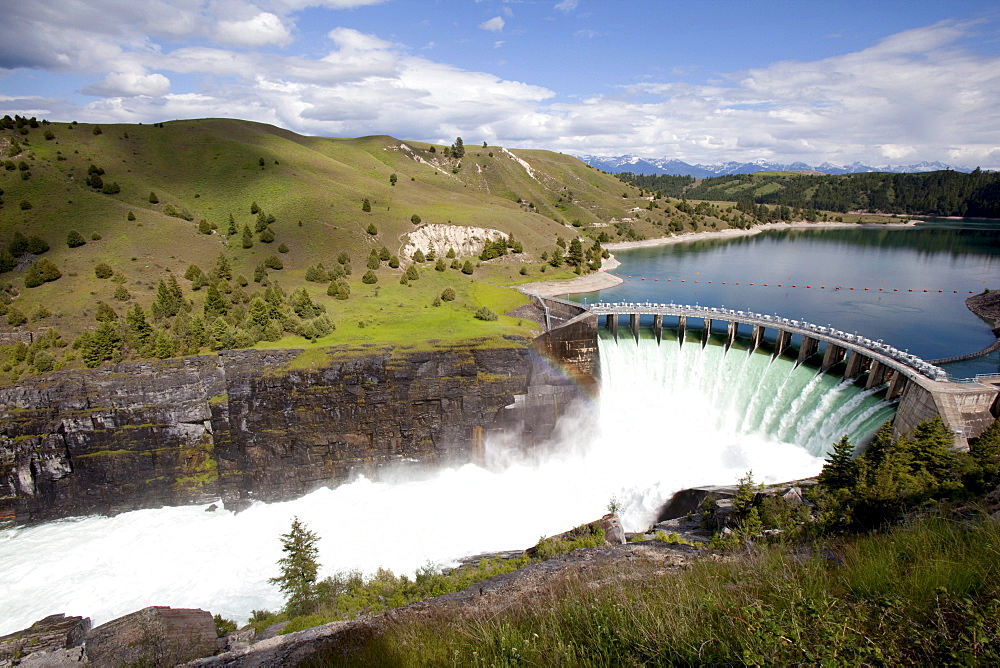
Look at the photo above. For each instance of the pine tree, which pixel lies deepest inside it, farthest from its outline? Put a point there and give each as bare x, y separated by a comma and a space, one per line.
139, 330
299, 568
840, 470
215, 305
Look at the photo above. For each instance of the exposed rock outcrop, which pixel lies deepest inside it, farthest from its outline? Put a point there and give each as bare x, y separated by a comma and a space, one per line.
269, 424
45, 642
154, 636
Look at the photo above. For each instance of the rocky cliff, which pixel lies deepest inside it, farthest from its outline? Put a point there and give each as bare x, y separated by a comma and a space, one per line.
260, 424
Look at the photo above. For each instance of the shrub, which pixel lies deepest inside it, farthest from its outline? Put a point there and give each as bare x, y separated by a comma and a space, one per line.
103, 270
25, 205
372, 230
467, 268
272, 262
366, 206
74, 239
418, 256
267, 236
153, 199
130, 216
283, 248
42, 271
36, 245
415, 219
448, 295
369, 278
485, 313
122, 294
95, 236
15, 318
440, 265
204, 227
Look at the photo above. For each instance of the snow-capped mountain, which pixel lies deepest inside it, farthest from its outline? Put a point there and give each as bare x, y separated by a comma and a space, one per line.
637, 165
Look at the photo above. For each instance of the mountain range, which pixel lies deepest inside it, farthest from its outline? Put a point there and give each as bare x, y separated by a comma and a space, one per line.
637, 165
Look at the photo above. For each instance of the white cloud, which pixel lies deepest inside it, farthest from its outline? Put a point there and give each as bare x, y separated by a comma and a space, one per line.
495, 24
919, 94
129, 84
567, 5
264, 29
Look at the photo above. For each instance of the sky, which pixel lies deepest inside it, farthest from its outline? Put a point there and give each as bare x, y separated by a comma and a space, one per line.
876, 81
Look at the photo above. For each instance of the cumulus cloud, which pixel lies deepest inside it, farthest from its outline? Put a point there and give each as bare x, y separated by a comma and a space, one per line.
567, 5
919, 94
129, 84
495, 24
264, 29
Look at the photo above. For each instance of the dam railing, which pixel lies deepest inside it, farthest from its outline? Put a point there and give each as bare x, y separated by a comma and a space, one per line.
862, 347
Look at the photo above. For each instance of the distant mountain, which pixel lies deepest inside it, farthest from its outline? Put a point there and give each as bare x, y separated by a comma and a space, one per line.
637, 165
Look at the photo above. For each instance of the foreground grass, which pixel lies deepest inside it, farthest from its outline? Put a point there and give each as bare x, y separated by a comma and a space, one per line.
927, 593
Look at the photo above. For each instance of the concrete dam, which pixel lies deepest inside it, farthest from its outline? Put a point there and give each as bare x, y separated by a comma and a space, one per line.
922, 389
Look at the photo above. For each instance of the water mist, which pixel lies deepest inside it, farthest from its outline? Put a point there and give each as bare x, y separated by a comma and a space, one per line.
668, 418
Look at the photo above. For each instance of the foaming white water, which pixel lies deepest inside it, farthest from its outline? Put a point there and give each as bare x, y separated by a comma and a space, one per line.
668, 418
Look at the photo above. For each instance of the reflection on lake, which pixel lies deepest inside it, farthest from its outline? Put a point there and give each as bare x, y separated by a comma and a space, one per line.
905, 285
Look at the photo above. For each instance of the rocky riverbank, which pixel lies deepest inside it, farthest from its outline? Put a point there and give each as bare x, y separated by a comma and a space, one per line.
987, 306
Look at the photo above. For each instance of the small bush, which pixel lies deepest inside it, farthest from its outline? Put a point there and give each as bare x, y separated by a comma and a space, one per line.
103, 270
485, 313
74, 239
369, 278
272, 262
448, 294
95, 236
25, 205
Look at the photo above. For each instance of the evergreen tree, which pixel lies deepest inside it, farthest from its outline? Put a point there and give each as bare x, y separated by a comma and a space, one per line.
575, 257
139, 331
458, 148
299, 568
74, 239
366, 206
467, 268
840, 470
215, 305
223, 270
247, 237
231, 227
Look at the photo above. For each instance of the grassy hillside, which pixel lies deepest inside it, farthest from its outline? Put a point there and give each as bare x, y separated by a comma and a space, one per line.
313, 190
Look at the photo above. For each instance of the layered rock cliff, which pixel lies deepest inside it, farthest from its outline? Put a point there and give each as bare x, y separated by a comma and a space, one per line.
262, 424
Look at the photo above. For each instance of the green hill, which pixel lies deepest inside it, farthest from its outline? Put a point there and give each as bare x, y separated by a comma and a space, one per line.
150, 201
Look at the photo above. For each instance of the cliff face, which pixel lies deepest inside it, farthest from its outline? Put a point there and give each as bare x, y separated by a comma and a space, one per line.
249, 425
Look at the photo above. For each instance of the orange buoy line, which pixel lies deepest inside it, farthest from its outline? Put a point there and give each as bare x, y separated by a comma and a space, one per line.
821, 287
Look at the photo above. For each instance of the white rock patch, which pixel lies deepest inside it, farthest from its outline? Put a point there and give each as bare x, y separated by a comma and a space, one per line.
467, 241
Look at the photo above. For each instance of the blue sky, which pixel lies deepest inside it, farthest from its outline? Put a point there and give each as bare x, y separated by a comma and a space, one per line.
882, 82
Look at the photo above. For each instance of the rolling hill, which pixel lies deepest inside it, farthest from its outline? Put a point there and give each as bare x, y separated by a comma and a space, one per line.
151, 201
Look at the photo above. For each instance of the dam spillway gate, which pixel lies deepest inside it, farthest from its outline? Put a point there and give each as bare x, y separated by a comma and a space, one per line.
923, 389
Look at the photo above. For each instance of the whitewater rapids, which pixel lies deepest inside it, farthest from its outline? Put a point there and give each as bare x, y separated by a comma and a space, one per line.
668, 418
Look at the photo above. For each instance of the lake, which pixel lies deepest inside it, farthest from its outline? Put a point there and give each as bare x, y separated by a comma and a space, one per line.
906, 285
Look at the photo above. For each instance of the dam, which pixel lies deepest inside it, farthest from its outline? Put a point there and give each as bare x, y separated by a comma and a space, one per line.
923, 389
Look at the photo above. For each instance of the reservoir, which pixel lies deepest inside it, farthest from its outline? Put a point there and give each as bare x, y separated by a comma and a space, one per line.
906, 285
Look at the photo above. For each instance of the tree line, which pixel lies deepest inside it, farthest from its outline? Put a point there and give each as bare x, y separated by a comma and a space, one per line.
941, 193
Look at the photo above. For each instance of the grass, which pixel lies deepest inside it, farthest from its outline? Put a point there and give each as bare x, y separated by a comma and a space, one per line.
923, 594
314, 187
